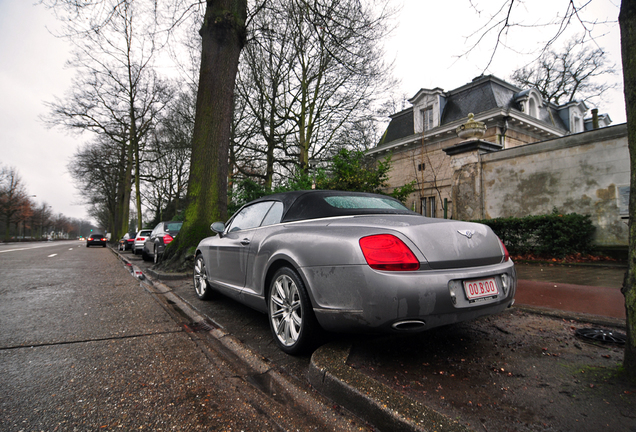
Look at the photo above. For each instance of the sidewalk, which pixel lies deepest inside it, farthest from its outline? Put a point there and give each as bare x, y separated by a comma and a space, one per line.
580, 289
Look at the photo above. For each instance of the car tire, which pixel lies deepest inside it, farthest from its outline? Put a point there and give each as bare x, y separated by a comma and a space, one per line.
155, 256
201, 286
144, 255
291, 318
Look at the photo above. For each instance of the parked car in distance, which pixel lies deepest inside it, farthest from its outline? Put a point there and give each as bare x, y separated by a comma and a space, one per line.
159, 238
352, 262
126, 242
96, 240
140, 238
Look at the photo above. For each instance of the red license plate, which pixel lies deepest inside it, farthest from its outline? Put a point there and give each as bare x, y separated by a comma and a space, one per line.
481, 288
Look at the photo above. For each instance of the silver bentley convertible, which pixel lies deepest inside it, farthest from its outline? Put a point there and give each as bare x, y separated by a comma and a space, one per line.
350, 262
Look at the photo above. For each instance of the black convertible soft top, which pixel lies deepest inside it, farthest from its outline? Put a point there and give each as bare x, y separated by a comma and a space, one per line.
314, 204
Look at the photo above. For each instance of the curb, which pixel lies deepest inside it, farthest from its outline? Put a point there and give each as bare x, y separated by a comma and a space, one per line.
167, 276
382, 406
575, 316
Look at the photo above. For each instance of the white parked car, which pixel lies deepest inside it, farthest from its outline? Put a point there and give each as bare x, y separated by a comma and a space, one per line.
140, 238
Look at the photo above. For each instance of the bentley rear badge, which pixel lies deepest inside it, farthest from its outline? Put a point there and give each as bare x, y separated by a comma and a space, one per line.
466, 233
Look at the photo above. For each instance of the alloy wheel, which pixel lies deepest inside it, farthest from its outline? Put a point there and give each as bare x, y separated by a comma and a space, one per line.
285, 310
200, 278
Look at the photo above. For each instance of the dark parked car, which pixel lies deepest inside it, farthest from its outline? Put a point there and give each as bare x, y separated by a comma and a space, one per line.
96, 240
126, 242
161, 236
140, 239
344, 261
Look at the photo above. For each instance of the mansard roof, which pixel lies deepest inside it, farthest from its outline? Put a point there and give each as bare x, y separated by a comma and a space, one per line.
401, 125
483, 94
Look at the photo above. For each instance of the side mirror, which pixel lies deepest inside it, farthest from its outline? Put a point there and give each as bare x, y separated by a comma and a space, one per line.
218, 227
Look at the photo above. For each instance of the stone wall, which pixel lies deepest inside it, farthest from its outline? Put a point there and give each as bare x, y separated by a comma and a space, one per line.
583, 173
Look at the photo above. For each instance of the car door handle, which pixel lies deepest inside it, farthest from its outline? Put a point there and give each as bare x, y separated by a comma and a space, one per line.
245, 241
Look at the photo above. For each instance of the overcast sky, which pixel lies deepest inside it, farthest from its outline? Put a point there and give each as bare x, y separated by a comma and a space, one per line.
430, 34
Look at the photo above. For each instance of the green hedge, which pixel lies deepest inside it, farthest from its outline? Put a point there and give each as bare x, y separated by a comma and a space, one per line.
554, 235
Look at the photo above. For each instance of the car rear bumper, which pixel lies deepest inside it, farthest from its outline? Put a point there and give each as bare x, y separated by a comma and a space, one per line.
358, 298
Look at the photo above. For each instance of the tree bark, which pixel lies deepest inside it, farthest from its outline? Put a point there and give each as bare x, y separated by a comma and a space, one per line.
223, 37
627, 22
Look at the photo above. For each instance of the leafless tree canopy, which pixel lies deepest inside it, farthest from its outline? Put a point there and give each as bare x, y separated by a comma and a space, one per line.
117, 94
506, 16
309, 83
577, 72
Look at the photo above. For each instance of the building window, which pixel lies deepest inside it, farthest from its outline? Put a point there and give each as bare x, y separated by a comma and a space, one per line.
532, 108
421, 166
427, 118
577, 124
428, 206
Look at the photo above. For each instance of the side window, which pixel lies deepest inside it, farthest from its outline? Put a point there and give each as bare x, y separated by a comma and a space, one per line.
274, 215
250, 217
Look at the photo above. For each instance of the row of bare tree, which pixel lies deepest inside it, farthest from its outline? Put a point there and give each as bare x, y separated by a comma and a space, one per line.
22, 218
310, 80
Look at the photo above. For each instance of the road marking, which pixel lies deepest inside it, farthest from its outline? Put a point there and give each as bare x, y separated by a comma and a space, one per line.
13, 250
52, 255
32, 247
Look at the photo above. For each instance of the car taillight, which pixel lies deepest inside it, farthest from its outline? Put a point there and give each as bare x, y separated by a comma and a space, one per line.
387, 252
104, 239
141, 238
505, 251
167, 239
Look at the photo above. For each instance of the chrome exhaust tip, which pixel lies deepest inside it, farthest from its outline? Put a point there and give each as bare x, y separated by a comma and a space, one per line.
410, 325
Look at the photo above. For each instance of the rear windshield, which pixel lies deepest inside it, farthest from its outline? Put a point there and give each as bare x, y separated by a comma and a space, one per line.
95, 236
173, 226
321, 204
363, 202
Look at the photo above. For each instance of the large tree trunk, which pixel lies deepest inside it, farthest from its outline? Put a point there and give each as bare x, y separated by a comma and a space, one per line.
123, 193
223, 37
627, 21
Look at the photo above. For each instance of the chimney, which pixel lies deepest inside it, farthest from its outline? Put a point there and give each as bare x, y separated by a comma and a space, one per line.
595, 118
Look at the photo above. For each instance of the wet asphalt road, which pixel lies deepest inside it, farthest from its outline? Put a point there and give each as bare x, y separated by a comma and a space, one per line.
85, 346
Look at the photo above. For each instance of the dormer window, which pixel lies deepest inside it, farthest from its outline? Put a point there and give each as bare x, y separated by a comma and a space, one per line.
530, 102
428, 106
572, 114
427, 118
533, 110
